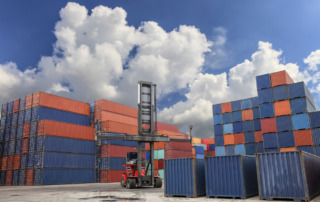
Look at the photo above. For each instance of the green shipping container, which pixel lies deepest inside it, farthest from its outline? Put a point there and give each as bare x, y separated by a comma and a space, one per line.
161, 173
160, 154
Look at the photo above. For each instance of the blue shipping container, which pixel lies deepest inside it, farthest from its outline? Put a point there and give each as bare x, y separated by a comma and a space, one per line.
33, 129
270, 140
21, 118
236, 176
237, 116
288, 175
217, 119
236, 105
249, 137
257, 124
300, 121
63, 176
3, 122
250, 148
19, 132
220, 151
256, 113
309, 149
227, 117
255, 102
2, 177
10, 107
15, 179
259, 147
240, 149
266, 110
211, 147
30, 163
112, 163
22, 103
216, 109
263, 81
12, 146
2, 133
4, 110
22, 177
32, 144
218, 129
246, 104
317, 150
199, 156
219, 140
301, 105
185, 177
265, 95
13, 133
8, 121
14, 119
316, 136
238, 127
199, 149
121, 142
280, 93
315, 119
271, 150
300, 90
227, 128
286, 139
230, 150
64, 160
27, 116
284, 123
18, 147
248, 126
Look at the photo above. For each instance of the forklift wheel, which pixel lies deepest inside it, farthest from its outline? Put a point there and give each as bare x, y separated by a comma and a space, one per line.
157, 182
131, 183
122, 183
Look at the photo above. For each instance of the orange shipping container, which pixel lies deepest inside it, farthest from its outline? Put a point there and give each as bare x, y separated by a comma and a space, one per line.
110, 116
303, 137
156, 164
29, 177
282, 108
105, 105
156, 146
60, 129
115, 127
16, 105
288, 149
210, 140
4, 163
28, 102
258, 136
16, 162
61, 103
161, 145
239, 138
229, 139
280, 78
247, 115
226, 107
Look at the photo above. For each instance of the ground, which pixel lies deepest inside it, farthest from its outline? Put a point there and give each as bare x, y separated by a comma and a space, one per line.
94, 192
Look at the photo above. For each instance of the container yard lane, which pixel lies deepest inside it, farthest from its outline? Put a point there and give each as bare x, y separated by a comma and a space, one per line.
95, 192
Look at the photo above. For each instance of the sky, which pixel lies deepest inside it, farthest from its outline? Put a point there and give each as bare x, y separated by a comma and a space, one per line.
198, 53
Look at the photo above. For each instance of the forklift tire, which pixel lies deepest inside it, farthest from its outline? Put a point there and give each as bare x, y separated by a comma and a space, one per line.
131, 183
122, 183
157, 182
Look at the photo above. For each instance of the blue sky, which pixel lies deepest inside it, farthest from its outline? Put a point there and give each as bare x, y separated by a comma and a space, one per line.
236, 28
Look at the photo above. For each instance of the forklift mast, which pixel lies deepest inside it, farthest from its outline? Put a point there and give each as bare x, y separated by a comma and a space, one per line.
147, 126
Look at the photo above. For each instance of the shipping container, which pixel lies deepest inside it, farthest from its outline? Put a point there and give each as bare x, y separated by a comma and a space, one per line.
61, 103
270, 140
316, 136
4, 109
27, 116
220, 151
299, 89
288, 175
280, 78
13, 133
266, 110
16, 162
230, 150
288, 149
259, 147
218, 129
28, 102
280, 93
227, 117
284, 123
18, 147
53, 128
257, 124
255, 102
2, 177
3, 122
286, 139
249, 137
110, 176
30, 162
112, 126
265, 95
63, 160
211, 147
300, 121
256, 113
263, 81
116, 151
231, 176
240, 149
172, 154
185, 177
237, 127
216, 109
22, 103
24, 145
227, 128
14, 119
23, 161
247, 115
246, 104
9, 175
26, 130
8, 121
217, 119
219, 140
239, 138
250, 148
282, 108
226, 107
10, 107
301, 105
314, 119
32, 145
184, 146
303, 137
229, 139
42, 113
165, 126
21, 118
248, 126
309, 149
236, 105
22, 177
268, 125
63, 176
258, 136
105, 105
198, 149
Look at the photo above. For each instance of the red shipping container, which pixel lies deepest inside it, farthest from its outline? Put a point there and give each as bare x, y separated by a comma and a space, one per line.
156, 146
168, 127
29, 177
258, 136
161, 145
173, 135
60, 103
28, 103
247, 115
116, 151
161, 164
226, 107
60, 129
156, 165
105, 105
4, 163
303, 137
212, 153
111, 175
204, 141
147, 146
25, 145
8, 180
184, 146
10, 163
172, 154
110, 116
239, 138
15, 105
280, 78
116, 127
268, 125
16, 162
26, 130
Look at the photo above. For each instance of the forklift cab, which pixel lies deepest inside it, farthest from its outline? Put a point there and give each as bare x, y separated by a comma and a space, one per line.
132, 158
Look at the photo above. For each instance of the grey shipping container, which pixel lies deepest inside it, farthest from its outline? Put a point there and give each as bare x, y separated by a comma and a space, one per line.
184, 177
288, 175
231, 176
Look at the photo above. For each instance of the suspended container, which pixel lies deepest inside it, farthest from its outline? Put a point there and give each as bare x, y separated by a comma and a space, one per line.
185, 177
288, 175
231, 176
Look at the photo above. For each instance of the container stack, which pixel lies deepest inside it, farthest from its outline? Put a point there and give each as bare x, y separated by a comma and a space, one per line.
48, 141
237, 127
209, 142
